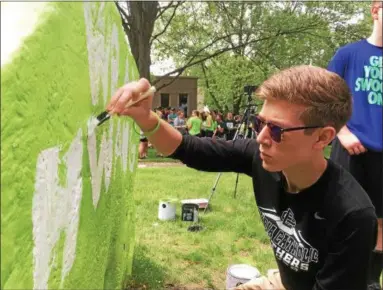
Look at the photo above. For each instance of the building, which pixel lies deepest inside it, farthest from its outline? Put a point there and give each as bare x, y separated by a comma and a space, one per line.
180, 94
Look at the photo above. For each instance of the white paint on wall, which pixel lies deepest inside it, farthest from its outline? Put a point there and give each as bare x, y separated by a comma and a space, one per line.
118, 147
122, 144
98, 50
127, 70
133, 150
105, 41
102, 163
18, 21
115, 60
56, 209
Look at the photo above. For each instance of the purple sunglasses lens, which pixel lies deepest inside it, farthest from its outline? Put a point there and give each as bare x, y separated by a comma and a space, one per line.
275, 130
276, 133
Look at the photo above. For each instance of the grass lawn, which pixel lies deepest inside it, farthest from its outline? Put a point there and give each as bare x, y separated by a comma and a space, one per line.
152, 157
169, 256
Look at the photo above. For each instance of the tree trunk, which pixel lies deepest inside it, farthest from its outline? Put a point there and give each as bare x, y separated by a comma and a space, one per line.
140, 18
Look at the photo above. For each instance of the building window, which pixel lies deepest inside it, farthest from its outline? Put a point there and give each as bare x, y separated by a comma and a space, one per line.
183, 103
164, 100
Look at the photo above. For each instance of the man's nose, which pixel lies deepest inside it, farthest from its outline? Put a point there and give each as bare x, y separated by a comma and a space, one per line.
264, 137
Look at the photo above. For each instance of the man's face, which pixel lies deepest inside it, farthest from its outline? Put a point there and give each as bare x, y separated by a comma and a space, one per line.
295, 146
376, 12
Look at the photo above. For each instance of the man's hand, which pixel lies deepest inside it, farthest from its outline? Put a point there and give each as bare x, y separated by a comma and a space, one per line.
140, 112
350, 142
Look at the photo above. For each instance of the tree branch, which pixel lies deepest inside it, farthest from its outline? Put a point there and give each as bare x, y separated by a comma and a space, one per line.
124, 17
208, 87
163, 9
154, 37
219, 52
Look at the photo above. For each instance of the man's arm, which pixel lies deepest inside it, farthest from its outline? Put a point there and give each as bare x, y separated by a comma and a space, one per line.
217, 155
349, 252
349, 141
199, 154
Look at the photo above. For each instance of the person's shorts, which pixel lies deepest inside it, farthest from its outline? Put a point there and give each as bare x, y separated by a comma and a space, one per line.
144, 139
367, 169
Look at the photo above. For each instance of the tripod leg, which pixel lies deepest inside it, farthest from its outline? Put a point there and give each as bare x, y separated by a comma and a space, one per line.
236, 185
213, 191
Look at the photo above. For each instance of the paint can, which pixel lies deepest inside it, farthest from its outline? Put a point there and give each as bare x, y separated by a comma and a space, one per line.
189, 212
240, 274
167, 210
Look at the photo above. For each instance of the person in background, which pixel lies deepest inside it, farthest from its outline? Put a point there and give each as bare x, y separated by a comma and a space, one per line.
194, 124
165, 113
359, 144
208, 125
179, 122
231, 126
219, 132
184, 108
203, 116
321, 224
143, 146
159, 112
172, 116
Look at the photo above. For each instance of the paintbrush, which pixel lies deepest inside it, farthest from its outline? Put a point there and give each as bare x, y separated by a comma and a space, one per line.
104, 116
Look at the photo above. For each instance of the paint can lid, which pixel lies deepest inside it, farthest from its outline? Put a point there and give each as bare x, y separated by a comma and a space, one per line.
244, 271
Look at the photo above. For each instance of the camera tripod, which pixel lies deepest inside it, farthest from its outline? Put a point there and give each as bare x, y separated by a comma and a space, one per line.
243, 131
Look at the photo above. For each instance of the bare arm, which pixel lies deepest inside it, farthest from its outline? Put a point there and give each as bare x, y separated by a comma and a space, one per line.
202, 154
350, 142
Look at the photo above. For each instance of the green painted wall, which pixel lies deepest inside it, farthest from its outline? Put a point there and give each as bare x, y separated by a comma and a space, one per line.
67, 213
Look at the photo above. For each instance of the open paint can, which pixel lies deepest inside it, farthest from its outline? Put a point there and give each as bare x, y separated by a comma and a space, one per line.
240, 274
167, 209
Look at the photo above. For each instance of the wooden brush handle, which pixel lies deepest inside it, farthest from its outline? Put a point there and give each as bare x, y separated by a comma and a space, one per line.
143, 96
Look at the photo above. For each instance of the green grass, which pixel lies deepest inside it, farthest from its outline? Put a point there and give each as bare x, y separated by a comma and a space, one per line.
167, 255
152, 157
327, 151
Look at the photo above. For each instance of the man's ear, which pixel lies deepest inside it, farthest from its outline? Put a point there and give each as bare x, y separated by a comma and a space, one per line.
374, 12
324, 137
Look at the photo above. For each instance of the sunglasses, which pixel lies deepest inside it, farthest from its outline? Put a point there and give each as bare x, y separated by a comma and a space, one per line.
276, 132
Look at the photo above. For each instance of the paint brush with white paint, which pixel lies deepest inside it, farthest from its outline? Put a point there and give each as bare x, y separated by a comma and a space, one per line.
104, 116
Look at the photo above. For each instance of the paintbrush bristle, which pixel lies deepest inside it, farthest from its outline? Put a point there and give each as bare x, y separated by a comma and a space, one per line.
102, 116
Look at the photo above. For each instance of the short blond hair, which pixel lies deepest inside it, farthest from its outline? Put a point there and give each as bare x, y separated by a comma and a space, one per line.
325, 94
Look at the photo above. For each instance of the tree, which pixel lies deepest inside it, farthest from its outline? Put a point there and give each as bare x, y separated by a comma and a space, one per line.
204, 38
249, 41
138, 19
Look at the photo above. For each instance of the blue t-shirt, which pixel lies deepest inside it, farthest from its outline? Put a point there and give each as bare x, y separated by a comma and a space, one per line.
360, 65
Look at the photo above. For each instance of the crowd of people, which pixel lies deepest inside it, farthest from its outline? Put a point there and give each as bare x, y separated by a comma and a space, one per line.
201, 123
